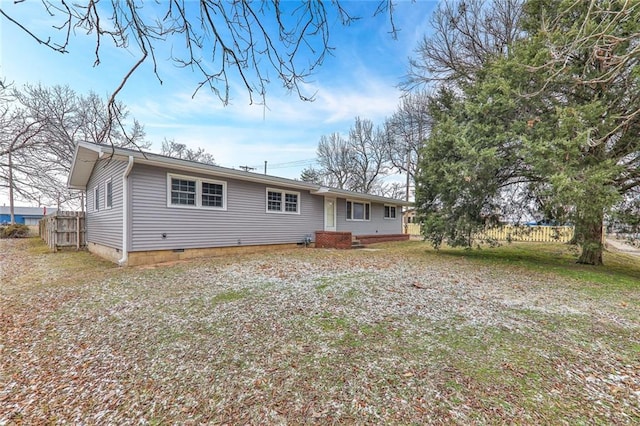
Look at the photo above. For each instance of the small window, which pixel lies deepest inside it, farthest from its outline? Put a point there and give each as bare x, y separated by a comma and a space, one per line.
274, 201
279, 201
183, 192
389, 212
358, 211
108, 194
212, 194
186, 191
96, 198
291, 203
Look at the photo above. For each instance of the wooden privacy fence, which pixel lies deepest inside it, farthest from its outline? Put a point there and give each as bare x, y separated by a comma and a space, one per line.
538, 234
412, 229
63, 229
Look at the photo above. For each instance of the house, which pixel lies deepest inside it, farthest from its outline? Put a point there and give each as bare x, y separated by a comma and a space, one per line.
409, 216
24, 215
148, 208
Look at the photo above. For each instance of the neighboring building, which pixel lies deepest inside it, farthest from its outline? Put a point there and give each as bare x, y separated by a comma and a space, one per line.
147, 208
24, 215
409, 216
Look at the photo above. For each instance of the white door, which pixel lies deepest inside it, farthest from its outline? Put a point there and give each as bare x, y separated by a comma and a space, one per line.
329, 214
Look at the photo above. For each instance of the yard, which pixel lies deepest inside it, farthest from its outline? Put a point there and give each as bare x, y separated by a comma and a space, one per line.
397, 335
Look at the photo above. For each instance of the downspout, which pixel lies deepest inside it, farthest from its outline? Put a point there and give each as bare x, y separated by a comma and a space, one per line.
125, 213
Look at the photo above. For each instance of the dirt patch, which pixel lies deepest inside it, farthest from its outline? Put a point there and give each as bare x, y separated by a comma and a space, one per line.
623, 247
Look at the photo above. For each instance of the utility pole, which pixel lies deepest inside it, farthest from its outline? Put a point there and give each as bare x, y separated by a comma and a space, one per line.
247, 168
408, 168
265, 167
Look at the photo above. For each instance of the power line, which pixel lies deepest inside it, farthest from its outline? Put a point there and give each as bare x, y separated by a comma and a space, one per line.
290, 164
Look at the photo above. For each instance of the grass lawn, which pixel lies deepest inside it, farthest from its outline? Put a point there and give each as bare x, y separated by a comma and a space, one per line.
398, 335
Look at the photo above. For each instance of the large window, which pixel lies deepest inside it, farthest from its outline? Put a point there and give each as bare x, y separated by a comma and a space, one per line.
389, 212
108, 194
279, 201
358, 211
185, 191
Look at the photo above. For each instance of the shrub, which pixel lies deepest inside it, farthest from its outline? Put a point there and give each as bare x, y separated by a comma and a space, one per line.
14, 231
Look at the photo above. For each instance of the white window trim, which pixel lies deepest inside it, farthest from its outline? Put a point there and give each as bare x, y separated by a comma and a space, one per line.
364, 203
96, 198
396, 212
283, 192
198, 181
106, 206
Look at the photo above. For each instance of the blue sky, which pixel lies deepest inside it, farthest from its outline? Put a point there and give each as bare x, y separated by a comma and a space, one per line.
360, 79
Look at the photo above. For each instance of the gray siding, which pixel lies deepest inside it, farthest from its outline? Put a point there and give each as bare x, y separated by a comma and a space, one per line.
245, 222
104, 226
376, 224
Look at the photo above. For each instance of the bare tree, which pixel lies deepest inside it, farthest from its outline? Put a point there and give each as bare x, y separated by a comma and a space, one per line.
218, 39
19, 133
406, 132
336, 160
465, 35
171, 148
369, 156
356, 163
37, 144
394, 190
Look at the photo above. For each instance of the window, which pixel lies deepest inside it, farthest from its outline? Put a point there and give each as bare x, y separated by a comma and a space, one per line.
291, 203
191, 192
389, 212
274, 201
108, 194
279, 201
212, 194
183, 192
96, 198
358, 211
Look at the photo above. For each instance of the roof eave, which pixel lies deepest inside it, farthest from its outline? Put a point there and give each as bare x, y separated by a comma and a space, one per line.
78, 179
81, 168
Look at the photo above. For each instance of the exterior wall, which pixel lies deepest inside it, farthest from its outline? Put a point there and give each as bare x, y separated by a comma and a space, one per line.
20, 219
104, 226
109, 253
159, 256
377, 224
244, 222
6, 218
29, 216
31, 221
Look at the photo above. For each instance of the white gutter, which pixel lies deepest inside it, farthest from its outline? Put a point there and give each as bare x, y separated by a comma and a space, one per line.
125, 213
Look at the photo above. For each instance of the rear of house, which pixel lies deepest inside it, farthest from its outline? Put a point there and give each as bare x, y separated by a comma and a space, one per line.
147, 208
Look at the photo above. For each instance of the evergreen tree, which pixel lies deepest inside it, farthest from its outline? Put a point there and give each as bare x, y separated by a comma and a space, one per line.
552, 125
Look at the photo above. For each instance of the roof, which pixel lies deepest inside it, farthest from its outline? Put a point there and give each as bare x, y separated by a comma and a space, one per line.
27, 211
87, 154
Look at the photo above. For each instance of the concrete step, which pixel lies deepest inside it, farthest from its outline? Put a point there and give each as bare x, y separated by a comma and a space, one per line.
355, 244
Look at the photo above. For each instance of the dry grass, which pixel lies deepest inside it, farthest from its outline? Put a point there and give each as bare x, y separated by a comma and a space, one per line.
397, 336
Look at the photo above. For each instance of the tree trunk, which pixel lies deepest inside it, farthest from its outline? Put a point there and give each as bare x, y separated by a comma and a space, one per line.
11, 206
590, 238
